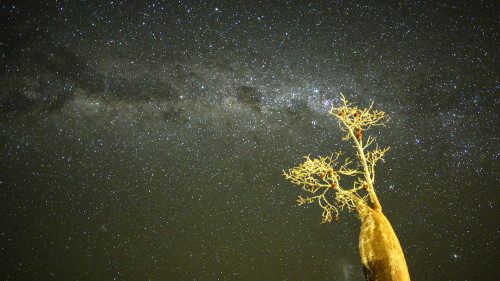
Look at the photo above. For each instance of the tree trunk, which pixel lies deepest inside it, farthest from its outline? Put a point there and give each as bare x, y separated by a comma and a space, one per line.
381, 254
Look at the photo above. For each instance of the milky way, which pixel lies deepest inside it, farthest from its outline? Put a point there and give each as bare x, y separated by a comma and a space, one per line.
147, 140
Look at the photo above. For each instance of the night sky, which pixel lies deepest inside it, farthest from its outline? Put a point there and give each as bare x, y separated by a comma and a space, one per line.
147, 140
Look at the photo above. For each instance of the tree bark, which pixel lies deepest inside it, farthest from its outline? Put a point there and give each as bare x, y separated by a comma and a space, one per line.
381, 255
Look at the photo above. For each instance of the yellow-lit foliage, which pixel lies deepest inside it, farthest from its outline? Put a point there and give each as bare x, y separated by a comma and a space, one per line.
321, 177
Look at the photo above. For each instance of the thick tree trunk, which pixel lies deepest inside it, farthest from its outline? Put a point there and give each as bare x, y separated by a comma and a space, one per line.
381, 254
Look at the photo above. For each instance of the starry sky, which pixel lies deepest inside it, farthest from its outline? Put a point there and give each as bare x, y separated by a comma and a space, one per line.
146, 140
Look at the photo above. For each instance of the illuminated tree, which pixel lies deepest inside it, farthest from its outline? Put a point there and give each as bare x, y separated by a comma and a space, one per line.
381, 255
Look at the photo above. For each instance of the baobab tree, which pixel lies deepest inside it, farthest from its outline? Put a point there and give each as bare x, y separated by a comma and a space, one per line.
381, 255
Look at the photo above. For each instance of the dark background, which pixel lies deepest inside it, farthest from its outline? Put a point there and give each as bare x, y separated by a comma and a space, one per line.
146, 140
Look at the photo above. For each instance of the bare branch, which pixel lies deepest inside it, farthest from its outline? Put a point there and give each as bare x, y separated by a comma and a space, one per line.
322, 175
